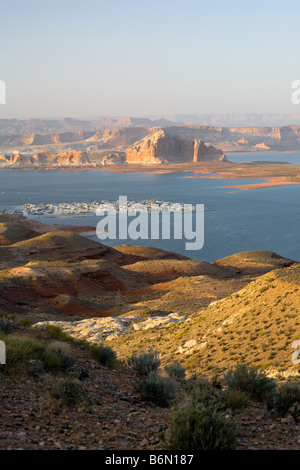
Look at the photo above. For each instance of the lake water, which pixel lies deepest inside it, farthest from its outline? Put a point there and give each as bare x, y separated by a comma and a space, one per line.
282, 157
262, 219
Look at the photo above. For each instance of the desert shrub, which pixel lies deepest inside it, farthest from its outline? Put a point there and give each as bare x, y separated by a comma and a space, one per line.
196, 427
144, 363
62, 350
236, 399
69, 393
157, 390
103, 354
5, 326
25, 322
205, 393
250, 380
35, 367
66, 360
175, 370
26, 354
216, 381
55, 332
8, 316
285, 399
56, 345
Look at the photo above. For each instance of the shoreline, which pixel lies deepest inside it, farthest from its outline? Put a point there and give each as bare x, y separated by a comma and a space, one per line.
272, 183
276, 175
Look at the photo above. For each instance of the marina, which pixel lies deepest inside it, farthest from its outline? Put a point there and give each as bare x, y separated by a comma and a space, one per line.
90, 208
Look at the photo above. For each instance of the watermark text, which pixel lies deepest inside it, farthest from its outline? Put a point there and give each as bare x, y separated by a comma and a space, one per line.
2, 353
135, 221
296, 93
2, 92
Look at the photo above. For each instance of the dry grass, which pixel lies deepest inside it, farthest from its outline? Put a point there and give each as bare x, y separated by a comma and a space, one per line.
255, 325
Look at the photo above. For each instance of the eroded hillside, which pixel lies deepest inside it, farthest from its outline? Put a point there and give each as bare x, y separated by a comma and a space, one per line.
208, 315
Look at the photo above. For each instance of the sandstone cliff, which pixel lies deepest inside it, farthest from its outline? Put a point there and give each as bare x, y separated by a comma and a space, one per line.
46, 159
165, 147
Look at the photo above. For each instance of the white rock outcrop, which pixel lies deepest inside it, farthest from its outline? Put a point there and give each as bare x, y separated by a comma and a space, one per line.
96, 330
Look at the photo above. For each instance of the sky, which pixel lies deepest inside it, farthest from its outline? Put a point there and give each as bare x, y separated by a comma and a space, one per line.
88, 58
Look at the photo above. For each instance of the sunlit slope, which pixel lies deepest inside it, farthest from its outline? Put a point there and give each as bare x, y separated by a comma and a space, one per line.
257, 325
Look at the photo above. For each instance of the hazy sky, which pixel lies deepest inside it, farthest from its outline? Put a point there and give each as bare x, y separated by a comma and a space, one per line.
82, 58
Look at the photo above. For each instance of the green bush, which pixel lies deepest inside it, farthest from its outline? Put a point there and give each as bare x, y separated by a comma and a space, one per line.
69, 393
24, 354
145, 363
236, 399
216, 381
206, 393
55, 332
103, 354
175, 370
157, 390
25, 322
67, 361
196, 427
250, 380
285, 399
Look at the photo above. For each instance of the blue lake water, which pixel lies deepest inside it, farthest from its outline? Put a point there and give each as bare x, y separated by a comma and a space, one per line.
282, 157
262, 219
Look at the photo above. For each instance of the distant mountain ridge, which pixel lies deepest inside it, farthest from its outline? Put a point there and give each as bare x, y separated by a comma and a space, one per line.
226, 139
29, 126
46, 125
241, 120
